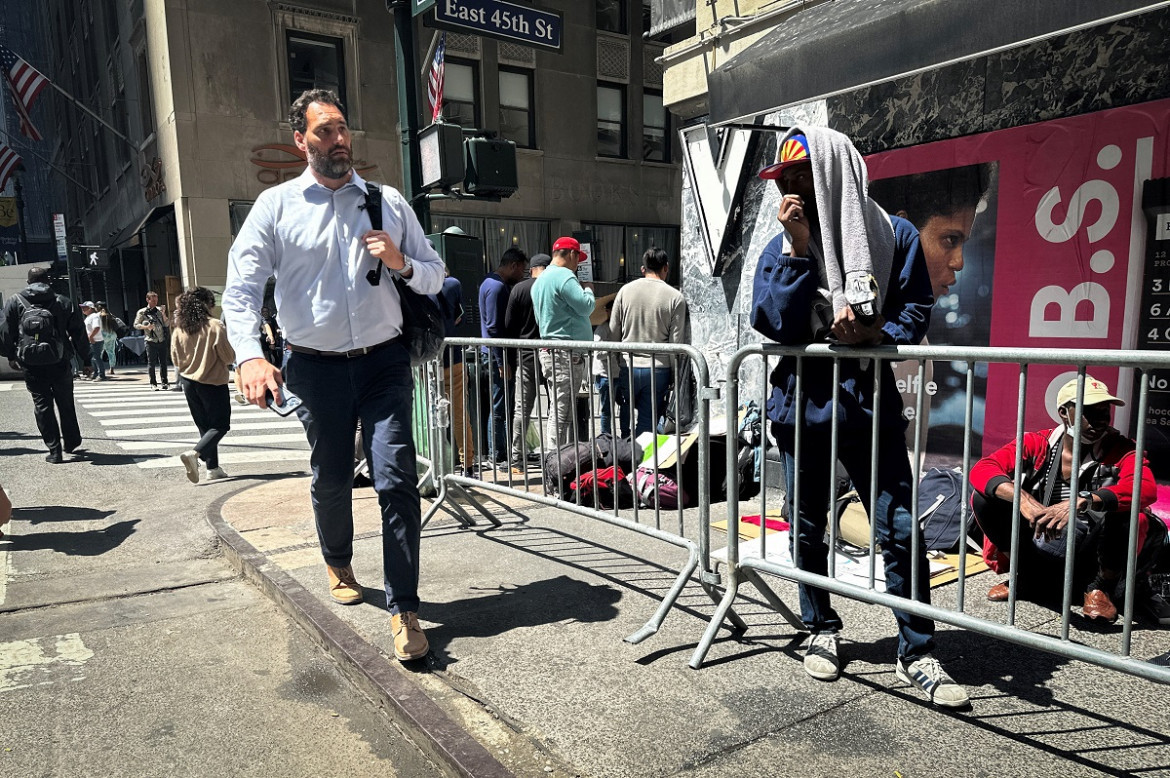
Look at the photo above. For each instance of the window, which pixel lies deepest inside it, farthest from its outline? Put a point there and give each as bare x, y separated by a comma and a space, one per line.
460, 88
314, 62
618, 249
611, 121
516, 115
611, 16
655, 142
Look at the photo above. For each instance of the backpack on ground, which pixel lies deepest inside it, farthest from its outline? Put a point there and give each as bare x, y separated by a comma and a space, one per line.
653, 486
607, 483
940, 511
39, 340
620, 451
561, 467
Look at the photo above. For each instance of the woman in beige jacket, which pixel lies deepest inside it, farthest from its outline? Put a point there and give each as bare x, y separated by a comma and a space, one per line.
202, 356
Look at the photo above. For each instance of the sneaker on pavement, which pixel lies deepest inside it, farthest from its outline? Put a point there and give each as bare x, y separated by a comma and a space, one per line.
343, 587
820, 657
410, 642
216, 473
190, 460
927, 674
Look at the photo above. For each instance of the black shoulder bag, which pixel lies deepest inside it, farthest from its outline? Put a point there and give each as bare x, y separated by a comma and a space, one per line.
422, 323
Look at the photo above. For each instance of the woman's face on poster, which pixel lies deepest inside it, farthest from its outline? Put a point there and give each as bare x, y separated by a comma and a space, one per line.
942, 239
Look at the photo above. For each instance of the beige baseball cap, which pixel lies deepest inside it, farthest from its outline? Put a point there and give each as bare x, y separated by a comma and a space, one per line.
1096, 392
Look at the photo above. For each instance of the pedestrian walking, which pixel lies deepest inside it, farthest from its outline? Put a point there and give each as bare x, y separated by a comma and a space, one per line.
203, 357
152, 320
93, 331
112, 327
313, 233
41, 333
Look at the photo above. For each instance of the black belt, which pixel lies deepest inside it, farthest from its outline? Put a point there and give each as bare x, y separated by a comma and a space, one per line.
357, 352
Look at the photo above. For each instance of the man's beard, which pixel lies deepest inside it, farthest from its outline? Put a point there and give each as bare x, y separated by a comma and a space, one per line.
328, 166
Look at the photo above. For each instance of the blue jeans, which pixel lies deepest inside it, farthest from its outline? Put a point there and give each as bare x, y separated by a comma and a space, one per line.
95, 353
651, 388
892, 518
497, 415
377, 388
619, 388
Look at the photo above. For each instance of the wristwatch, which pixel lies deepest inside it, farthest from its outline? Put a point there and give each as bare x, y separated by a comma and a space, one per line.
1088, 496
407, 266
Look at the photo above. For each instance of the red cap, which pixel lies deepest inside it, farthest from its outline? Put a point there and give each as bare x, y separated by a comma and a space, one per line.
569, 244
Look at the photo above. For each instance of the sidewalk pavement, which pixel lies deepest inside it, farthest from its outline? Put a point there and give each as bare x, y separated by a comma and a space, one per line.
529, 675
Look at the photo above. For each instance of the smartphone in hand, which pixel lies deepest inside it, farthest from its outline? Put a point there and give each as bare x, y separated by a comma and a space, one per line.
290, 402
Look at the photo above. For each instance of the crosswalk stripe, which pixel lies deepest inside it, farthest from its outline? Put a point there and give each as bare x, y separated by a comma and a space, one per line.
244, 457
240, 441
146, 412
181, 429
152, 419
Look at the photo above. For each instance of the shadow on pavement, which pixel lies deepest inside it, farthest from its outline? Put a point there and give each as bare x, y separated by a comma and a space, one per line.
85, 543
502, 609
45, 513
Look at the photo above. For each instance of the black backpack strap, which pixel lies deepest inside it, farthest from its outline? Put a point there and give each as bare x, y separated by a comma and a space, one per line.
374, 211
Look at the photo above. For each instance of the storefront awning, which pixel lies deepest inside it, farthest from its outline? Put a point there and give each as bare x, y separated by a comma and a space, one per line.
128, 235
842, 45
668, 14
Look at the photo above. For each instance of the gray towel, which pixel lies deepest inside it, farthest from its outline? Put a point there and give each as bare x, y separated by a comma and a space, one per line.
856, 233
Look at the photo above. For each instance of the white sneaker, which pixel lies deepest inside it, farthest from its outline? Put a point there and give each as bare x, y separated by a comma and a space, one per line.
190, 460
927, 674
820, 657
216, 473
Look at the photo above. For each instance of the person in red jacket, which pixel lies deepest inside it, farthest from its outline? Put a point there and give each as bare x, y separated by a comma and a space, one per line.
1102, 506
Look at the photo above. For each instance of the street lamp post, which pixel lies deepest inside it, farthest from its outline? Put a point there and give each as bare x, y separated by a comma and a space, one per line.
408, 108
19, 186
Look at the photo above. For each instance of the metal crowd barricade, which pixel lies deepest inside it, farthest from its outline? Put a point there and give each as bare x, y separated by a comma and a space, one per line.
748, 568
459, 475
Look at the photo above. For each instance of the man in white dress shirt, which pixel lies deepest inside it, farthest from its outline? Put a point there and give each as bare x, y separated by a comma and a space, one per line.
314, 235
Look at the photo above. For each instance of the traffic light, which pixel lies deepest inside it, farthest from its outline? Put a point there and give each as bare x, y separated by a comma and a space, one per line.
486, 167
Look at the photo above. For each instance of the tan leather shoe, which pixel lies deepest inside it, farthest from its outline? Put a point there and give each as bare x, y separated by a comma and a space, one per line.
343, 587
409, 640
999, 592
1099, 606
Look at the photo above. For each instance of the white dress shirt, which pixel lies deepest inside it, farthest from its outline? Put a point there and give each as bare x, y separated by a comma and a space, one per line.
309, 237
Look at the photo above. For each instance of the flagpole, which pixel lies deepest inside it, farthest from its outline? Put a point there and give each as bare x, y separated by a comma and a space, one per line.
96, 118
25, 149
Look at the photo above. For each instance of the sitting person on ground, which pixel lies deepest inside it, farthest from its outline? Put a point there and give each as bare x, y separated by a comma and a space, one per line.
1101, 520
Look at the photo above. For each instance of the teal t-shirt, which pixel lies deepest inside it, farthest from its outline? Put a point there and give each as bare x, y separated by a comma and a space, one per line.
562, 305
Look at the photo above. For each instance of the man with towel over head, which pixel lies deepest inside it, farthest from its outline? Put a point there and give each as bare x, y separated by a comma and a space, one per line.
845, 272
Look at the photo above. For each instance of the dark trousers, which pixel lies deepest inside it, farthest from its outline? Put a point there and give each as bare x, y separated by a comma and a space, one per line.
156, 354
49, 385
891, 516
95, 353
1102, 544
493, 405
211, 409
378, 389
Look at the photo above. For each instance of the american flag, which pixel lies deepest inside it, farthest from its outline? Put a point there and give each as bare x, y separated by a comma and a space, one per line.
25, 83
435, 82
9, 159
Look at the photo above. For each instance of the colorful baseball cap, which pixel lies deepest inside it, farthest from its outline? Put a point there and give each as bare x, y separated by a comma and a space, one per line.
569, 244
87, 304
793, 149
1096, 392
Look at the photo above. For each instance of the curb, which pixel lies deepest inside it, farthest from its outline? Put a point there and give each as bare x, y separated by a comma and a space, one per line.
427, 725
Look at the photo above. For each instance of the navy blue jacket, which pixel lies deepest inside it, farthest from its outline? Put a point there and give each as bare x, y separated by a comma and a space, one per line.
493, 301
782, 294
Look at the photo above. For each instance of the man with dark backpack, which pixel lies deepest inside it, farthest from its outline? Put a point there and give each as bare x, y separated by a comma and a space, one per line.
41, 332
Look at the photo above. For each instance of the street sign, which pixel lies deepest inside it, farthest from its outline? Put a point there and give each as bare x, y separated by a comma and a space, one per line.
420, 6
503, 20
59, 234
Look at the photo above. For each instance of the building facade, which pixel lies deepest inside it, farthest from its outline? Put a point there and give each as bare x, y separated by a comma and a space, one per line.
1062, 109
201, 91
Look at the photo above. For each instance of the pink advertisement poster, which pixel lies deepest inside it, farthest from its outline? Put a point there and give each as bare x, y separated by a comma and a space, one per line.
1052, 255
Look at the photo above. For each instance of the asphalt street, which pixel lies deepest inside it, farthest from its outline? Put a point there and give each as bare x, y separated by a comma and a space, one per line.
127, 645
